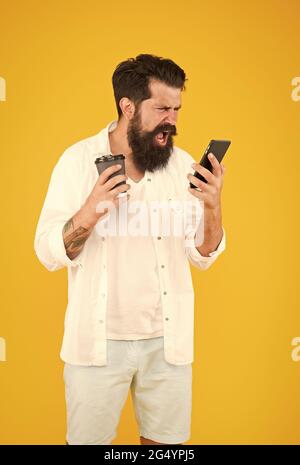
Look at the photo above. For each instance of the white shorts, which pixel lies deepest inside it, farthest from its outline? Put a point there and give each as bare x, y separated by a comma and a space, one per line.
161, 394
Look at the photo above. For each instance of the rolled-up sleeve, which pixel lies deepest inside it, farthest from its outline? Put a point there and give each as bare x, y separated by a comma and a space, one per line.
61, 203
201, 261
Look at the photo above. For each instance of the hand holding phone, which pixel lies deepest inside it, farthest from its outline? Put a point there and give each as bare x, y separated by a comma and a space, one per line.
218, 148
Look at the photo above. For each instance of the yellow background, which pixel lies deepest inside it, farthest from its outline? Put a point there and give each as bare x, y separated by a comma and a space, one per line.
58, 58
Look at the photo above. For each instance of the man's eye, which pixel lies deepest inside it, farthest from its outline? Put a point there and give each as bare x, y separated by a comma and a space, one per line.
176, 109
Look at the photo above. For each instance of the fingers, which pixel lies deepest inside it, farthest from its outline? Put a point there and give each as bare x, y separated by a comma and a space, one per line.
198, 183
110, 184
215, 164
205, 172
218, 169
199, 194
107, 172
122, 188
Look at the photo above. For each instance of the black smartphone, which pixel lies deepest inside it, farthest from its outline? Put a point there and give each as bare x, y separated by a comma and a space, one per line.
218, 148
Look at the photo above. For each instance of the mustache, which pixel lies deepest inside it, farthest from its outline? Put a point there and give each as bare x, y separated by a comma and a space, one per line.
172, 130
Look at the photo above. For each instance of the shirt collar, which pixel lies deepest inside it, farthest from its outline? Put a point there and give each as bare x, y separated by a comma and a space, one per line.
109, 128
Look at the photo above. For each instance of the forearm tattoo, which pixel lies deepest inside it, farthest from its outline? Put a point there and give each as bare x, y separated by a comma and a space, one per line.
74, 239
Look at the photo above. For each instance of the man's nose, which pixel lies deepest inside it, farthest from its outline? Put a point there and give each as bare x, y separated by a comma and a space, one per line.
171, 117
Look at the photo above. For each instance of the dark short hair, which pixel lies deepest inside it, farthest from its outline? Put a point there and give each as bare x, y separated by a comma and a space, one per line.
131, 77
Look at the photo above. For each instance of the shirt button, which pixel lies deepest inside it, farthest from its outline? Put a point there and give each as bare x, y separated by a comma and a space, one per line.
167, 319
100, 321
159, 238
165, 293
149, 179
162, 266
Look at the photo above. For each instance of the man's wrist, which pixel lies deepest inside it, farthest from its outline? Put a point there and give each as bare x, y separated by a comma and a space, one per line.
86, 217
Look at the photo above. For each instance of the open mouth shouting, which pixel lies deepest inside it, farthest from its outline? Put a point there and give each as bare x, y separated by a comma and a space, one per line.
162, 137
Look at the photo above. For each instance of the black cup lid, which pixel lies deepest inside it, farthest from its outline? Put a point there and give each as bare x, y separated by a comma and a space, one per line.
109, 158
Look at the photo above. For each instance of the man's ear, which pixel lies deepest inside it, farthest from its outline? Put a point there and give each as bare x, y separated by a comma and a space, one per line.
127, 107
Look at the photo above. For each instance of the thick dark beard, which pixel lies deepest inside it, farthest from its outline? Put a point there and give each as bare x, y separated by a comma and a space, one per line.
146, 153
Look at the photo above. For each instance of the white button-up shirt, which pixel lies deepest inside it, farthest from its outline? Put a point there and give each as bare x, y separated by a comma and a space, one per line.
72, 180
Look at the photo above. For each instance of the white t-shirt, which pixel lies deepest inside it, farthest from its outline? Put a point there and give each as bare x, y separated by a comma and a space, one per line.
134, 304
